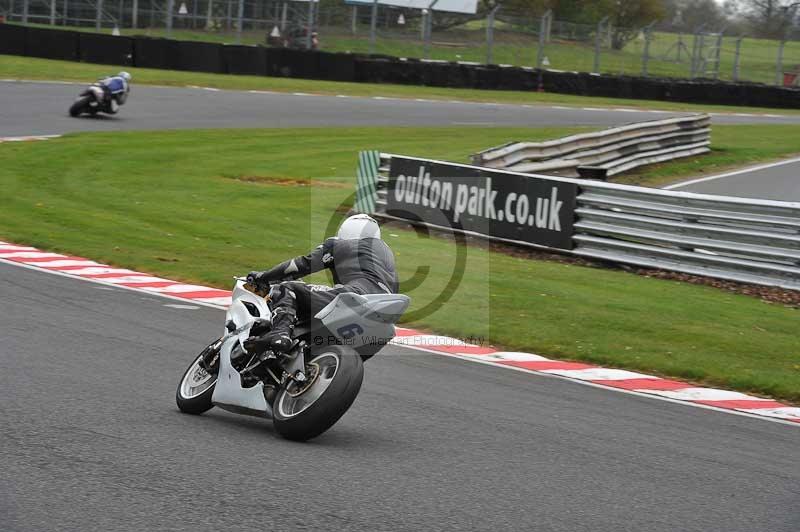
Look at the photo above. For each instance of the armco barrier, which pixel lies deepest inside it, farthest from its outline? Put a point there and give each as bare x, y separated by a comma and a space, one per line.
12, 39
105, 49
208, 57
250, 60
52, 44
745, 240
606, 152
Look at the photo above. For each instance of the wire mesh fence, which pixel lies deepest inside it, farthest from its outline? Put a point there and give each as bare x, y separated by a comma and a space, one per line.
501, 36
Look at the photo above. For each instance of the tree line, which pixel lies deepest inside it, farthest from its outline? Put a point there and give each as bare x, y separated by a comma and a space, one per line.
755, 18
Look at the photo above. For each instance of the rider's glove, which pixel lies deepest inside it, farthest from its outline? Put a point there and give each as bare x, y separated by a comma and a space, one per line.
256, 344
257, 278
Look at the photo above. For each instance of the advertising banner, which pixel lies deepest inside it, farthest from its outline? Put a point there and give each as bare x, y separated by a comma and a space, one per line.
529, 209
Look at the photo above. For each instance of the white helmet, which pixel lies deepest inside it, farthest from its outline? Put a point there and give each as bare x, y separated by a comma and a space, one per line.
124, 75
359, 226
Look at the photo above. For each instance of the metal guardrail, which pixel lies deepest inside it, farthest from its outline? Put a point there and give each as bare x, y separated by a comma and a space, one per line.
737, 239
604, 153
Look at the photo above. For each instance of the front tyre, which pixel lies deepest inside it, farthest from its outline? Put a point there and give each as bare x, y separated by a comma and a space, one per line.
302, 412
197, 386
79, 106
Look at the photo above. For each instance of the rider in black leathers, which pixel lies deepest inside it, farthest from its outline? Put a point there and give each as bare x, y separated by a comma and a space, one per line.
360, 262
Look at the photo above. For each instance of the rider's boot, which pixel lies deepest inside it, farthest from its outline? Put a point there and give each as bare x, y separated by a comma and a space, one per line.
279, 338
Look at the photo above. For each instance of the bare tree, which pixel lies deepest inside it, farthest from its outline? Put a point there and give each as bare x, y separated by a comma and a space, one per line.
769, 18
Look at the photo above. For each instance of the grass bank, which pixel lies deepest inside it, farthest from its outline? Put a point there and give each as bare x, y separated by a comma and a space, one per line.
15, 67
204, 205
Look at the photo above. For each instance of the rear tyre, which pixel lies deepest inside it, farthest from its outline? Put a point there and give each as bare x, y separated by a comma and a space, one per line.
303, 412
197, 386
79, 106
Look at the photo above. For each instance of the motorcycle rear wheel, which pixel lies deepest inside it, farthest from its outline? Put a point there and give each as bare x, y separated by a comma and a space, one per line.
196, 387
79, 106
303, 412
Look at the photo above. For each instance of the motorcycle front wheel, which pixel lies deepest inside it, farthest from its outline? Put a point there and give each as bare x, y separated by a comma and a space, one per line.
196, 387
79, 106
302, 411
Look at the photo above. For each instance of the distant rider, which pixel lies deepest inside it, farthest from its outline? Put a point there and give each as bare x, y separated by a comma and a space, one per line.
360, 262
117, 89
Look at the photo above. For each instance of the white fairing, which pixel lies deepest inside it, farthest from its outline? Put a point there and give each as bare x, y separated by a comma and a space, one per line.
358, 320
229, 392
354, 319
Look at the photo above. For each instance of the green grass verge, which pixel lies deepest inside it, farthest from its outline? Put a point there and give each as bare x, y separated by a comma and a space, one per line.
204, 205
15, 67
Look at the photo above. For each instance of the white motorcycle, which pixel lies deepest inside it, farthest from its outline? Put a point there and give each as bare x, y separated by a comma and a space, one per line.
308, 389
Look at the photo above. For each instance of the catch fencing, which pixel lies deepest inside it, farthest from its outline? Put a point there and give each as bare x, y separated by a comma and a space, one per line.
280, 60
745, 240
499, 35
599, 154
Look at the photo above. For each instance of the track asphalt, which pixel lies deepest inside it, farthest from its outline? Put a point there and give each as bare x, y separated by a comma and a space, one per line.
28, 108
91, 440
775, 181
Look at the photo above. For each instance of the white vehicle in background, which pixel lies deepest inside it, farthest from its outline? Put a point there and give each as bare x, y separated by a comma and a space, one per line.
306, 390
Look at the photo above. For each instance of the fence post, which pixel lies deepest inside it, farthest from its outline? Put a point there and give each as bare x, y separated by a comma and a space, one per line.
24, 11
428, 29
170, 9
52, 12
598, 41
135, 13
64, 14
283, 16
648, 36
490, 33
701, 59
310, 24
717, 53
239, 21
228, 14
779, 61
737, 57
695, 51
543, 23
372, 24
548, 27
355, 19
98, 19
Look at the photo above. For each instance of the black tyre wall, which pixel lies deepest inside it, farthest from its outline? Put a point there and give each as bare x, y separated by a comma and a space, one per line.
251, 60
199, 57
154, 53
52, 44
106, 49
290, 63
336, 66
12, 39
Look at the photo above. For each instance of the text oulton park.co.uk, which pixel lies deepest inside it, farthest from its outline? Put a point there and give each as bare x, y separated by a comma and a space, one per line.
479, 201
